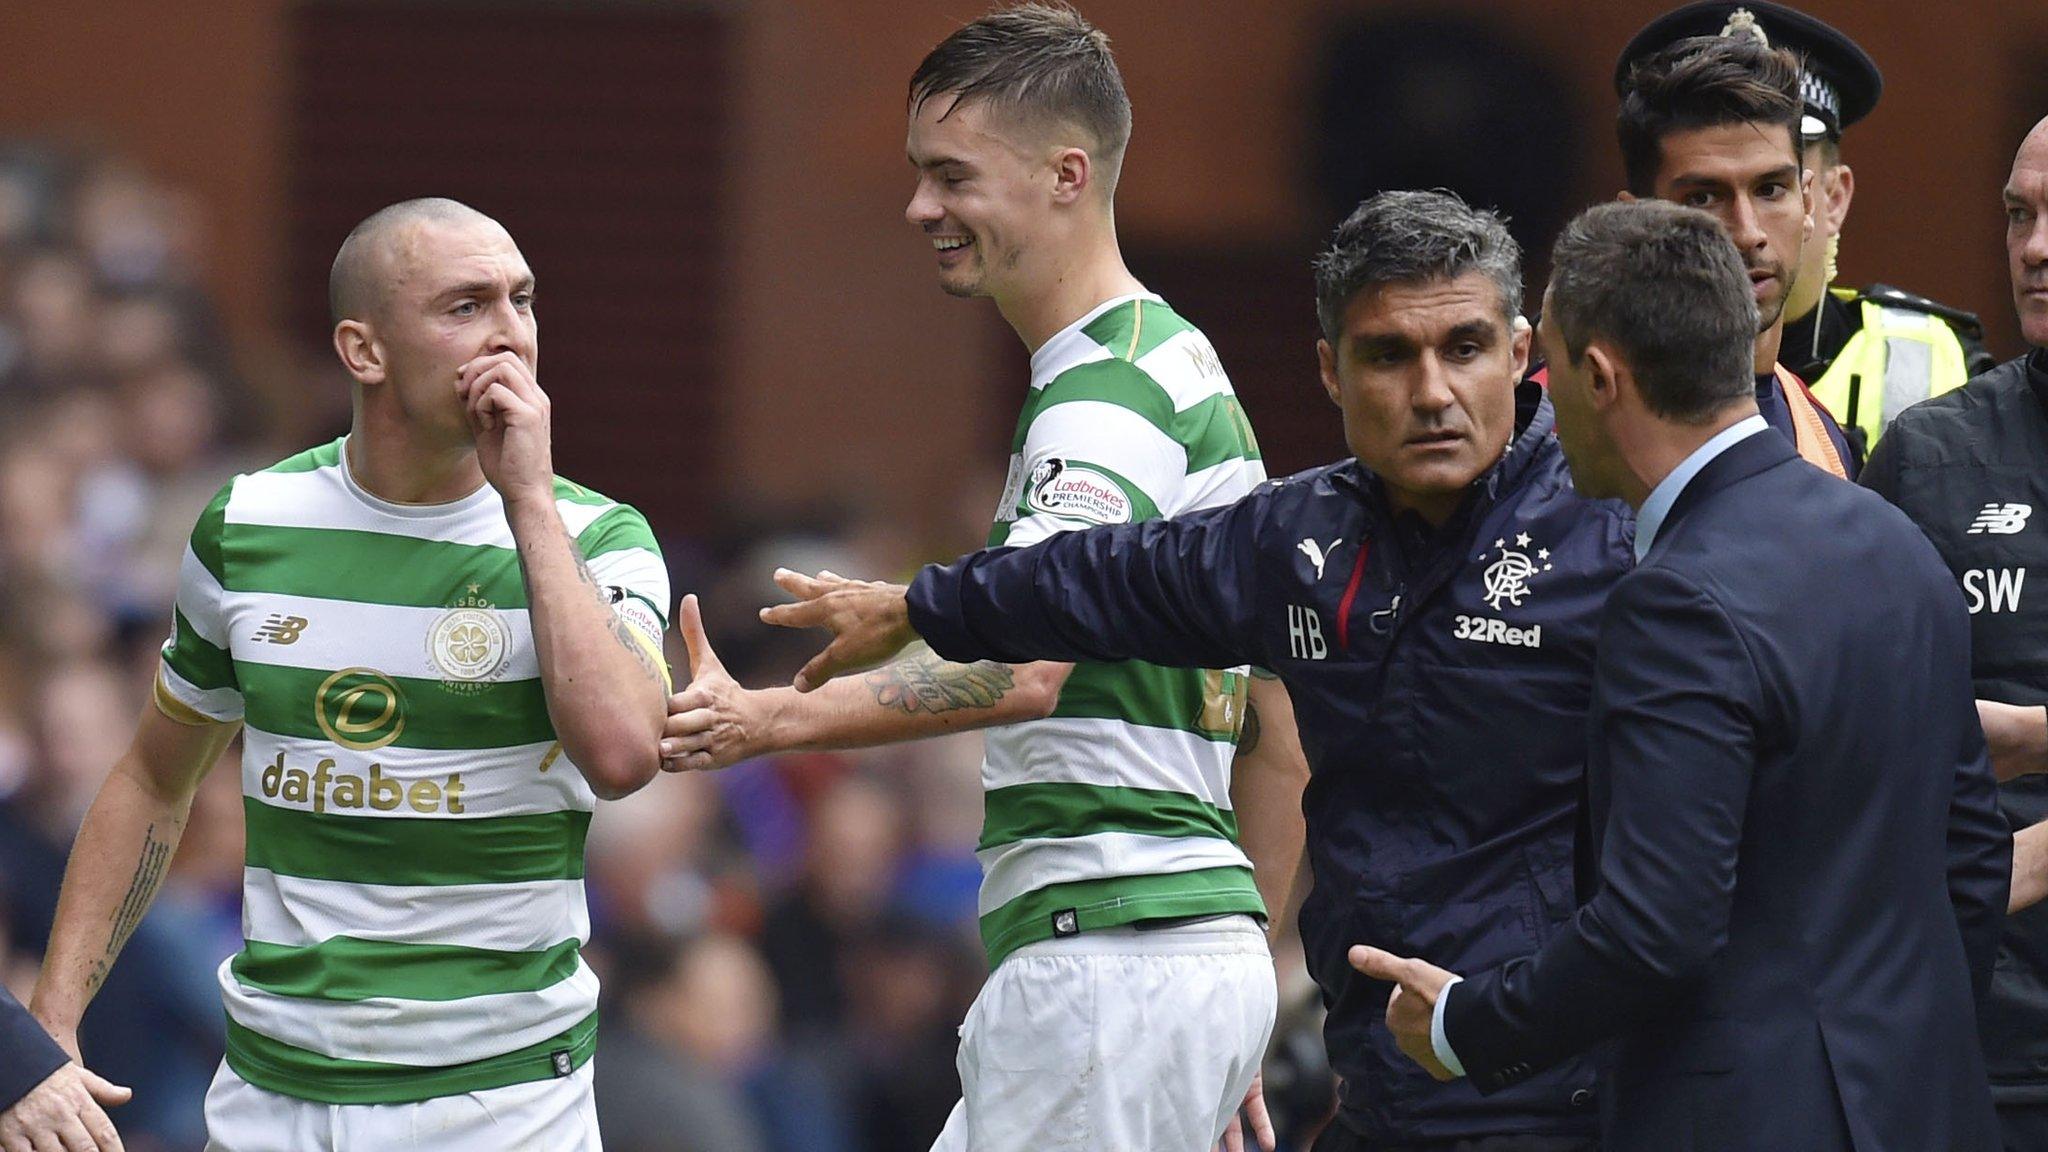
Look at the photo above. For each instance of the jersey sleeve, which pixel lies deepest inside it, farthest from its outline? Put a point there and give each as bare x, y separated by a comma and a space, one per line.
626, 562
195, 681
1183, 592
1096, 452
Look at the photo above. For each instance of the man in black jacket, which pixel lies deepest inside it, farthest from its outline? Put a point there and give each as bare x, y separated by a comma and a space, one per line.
1971, 469
46, 1099
1430, 606
1801, 869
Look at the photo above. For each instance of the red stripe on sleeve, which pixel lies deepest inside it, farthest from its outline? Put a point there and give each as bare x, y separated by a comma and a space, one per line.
1351, 594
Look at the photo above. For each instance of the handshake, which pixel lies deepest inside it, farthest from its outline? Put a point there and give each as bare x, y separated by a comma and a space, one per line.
714, 722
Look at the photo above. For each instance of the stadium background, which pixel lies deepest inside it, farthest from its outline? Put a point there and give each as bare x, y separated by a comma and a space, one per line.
744, 340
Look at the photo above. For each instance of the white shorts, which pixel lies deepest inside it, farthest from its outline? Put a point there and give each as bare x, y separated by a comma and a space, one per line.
1138, 1041
556, 1115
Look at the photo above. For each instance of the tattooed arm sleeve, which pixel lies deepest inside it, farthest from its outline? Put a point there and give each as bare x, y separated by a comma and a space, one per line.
121, 856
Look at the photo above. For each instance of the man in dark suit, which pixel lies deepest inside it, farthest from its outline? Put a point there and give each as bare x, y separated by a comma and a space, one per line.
1799, 869
47, 1100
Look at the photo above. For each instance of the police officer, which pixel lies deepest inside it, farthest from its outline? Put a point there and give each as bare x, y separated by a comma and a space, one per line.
1712, 122
1971, 468
1866, 355
1430, 605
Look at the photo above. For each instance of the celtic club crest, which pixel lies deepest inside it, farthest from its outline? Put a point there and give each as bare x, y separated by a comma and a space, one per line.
1507, 578
468, 644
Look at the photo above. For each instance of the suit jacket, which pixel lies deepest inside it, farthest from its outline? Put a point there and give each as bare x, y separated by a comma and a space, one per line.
27, 1054
1798, 871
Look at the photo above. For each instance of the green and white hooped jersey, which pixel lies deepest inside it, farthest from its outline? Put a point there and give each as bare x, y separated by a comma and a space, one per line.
1117, 807
413, 898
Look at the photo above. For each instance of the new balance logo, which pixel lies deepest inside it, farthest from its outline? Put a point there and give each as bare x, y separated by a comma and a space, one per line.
2000, 519
1317, 555
1305, 634
281, 629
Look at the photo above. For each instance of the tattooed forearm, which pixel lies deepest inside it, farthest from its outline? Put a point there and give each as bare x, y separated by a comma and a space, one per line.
621, 631
1248, 736
149, 873
925, 682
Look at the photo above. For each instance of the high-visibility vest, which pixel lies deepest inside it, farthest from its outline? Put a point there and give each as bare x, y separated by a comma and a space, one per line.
1809, 431
1898, 358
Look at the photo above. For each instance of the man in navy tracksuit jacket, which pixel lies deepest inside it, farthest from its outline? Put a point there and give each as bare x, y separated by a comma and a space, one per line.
1440, 683
1430, 606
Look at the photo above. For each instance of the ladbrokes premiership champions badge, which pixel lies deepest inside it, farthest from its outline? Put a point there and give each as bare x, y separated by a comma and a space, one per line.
468, 643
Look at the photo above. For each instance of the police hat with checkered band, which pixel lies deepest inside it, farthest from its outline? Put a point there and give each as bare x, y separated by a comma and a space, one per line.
1840, 81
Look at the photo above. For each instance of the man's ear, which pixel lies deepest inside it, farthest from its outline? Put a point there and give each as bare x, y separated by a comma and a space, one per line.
1606, 377
1809, 196
360, 353
1522, 337
1326, 364
1072, 174
1839, 192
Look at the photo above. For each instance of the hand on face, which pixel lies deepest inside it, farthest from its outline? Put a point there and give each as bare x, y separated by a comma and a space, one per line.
509, 416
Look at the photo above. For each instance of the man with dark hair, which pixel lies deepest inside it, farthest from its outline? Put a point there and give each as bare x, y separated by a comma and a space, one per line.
1867, 354
1131, 992
1712, 123
1429, 605
1799, 870
1971, 469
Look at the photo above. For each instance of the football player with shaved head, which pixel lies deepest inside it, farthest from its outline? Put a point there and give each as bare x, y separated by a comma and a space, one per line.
439, 656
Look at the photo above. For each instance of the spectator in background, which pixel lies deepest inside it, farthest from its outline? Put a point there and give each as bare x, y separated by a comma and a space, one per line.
907, 981
856, 833
702, 1030
99, 381
653, 1093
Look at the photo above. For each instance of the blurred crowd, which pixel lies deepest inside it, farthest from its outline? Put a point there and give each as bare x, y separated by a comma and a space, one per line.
786, 948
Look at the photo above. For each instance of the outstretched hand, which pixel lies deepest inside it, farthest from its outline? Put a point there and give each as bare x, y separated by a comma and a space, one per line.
1412, 1007
713, 722
869, 621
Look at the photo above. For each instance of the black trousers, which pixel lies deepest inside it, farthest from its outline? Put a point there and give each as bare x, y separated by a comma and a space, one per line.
1338, 1138
2025, 1127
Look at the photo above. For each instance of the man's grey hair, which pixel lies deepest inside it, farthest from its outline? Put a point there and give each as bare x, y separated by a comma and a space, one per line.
1409, 238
